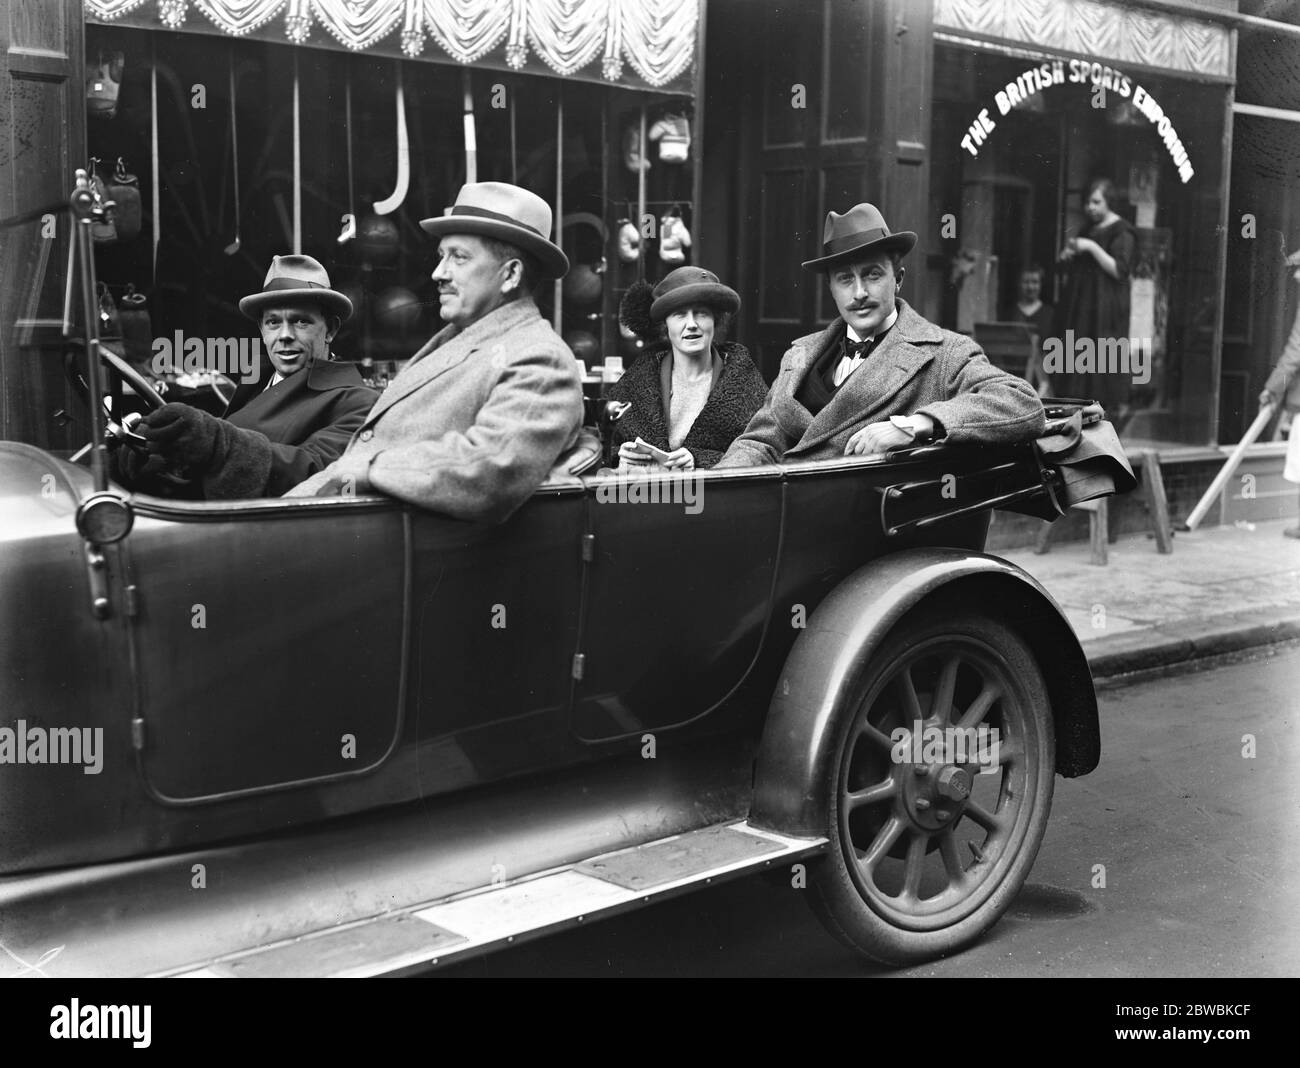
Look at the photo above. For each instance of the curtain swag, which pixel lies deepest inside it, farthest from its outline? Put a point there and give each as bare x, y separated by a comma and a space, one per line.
656, 37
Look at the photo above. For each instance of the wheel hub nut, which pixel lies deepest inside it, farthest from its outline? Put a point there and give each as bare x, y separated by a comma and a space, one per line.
954, 783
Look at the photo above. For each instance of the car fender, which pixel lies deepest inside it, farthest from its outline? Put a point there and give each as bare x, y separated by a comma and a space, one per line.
819, 681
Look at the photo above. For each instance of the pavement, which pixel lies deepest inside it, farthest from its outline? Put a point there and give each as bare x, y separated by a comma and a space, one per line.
1222, 590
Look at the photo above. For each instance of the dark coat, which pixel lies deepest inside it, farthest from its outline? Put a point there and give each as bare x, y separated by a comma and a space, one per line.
1095, 305
290, 431
737, 393
918, 367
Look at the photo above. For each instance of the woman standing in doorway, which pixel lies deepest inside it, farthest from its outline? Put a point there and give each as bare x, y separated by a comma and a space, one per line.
1095, 303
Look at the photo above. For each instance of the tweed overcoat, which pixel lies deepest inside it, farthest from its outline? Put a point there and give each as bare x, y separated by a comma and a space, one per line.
917, 368
472, 424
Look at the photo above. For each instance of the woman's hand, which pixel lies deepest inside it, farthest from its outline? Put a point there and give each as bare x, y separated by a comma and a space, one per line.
1086, 246
680, 460
1266, 398
630, 458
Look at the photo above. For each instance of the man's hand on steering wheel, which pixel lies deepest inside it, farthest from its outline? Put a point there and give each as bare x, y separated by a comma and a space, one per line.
139, 470
118, 430
183, 436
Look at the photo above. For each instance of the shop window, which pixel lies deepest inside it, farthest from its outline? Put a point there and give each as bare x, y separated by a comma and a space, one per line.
230, 197
1014, 189
650, 207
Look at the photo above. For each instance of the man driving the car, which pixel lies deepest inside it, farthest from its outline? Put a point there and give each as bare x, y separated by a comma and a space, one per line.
880, 376
275, 433
478, 417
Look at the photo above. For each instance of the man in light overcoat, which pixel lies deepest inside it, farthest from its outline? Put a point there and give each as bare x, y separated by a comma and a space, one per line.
880, 376
476, 420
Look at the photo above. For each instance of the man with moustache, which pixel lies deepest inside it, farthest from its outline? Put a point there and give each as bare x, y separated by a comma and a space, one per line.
477, 419
880, 376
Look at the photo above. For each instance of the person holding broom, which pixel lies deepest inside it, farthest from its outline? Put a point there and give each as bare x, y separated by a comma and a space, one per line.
1283, 386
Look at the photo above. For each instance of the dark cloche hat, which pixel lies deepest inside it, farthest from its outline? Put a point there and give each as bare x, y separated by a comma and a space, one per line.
643, 308
692, 285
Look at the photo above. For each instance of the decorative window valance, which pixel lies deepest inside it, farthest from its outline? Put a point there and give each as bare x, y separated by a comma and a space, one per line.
1095, 28
656, 37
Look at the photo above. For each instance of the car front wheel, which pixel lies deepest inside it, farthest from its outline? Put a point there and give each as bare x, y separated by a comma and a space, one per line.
940, 791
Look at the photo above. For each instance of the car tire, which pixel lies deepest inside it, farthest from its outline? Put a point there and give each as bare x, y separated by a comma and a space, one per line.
913, 870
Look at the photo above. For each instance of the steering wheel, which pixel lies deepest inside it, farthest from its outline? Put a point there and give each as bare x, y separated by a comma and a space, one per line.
118, 432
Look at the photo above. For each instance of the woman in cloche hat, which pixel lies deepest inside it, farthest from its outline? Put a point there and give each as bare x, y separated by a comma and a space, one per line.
692, 393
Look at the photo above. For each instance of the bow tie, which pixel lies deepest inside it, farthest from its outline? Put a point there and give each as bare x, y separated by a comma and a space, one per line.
855, 349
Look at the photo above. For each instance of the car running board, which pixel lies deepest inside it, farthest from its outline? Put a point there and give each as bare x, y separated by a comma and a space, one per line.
467, 925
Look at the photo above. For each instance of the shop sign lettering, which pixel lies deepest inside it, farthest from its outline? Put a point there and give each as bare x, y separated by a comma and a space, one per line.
1080, 71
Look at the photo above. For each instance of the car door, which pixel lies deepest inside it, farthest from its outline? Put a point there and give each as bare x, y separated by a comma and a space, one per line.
269, 639
678, 592
495, 625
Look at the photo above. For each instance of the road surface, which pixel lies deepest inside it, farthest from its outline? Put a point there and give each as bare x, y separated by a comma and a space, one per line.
1178, 856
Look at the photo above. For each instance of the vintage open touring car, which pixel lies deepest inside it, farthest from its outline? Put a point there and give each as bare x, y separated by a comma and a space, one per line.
348, 737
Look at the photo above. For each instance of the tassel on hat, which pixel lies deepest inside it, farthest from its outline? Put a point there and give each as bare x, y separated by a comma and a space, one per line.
634, 310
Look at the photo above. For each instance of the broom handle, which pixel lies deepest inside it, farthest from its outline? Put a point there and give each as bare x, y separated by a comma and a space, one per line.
1221, 479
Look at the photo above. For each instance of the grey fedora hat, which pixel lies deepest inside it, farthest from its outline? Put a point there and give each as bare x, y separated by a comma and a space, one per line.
860, 230
508, 213
292, 279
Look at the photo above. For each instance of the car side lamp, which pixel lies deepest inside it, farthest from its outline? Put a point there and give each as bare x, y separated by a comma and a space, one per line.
102, 519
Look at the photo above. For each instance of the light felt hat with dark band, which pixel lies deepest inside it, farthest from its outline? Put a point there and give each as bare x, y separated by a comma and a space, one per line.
859, 231
507, 213
692, 285
296, 278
